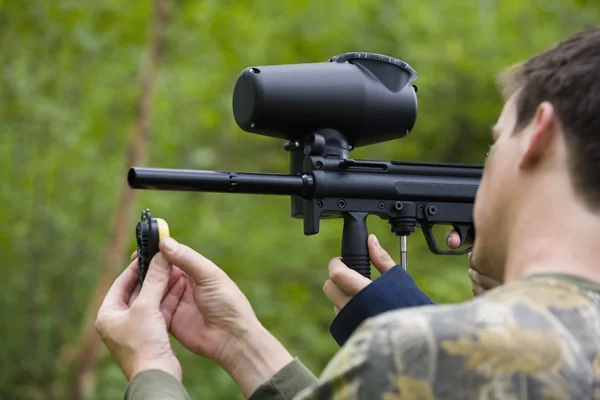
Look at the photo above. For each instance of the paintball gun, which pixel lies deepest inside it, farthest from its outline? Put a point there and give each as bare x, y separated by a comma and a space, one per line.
323, 111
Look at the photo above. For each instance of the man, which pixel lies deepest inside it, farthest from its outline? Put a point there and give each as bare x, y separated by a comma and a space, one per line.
535, 337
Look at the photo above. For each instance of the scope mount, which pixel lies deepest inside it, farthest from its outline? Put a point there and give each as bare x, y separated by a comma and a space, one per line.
329, 149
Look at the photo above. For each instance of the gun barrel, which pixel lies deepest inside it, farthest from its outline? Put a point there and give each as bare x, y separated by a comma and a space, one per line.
217, 181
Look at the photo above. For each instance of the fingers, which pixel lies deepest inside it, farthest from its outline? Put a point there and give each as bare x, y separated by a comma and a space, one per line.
473, 275
188, 293
134, 294
483, 281
379, 257
156, 281
453, 240
172, 299
337, 297
176, 274
193, 264
470, 261
477, 290
346, 279
120, 291
133, 255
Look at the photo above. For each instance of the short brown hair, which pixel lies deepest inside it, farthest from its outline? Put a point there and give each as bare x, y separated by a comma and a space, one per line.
568, 76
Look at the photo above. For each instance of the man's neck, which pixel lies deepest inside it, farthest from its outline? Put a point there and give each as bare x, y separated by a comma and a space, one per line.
566, 242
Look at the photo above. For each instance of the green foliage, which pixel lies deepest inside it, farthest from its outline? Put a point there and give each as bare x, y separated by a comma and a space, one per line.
68, 89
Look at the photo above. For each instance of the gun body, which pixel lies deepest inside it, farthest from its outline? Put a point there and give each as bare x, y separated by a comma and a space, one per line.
408, 195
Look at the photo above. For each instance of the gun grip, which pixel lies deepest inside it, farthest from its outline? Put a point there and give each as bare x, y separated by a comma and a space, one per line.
355, 251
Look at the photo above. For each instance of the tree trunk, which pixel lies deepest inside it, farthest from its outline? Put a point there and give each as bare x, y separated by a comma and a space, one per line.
86, 353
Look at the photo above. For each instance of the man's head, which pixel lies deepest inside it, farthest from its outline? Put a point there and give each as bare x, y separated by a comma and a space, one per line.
546, 149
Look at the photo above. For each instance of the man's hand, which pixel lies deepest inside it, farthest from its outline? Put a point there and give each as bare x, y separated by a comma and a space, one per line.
214, 319
344, 283
479, 283
133, 322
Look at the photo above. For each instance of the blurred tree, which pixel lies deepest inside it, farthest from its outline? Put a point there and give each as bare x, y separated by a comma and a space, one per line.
70, 90
85, 354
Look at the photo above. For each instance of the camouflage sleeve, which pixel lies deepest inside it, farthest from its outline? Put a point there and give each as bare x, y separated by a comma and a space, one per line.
155, 384
391, 356
286, 383
534, 340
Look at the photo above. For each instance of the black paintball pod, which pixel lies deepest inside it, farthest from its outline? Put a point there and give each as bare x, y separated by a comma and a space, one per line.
148, 233
366, 96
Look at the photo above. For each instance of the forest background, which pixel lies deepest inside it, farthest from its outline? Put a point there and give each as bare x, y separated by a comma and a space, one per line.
88, 89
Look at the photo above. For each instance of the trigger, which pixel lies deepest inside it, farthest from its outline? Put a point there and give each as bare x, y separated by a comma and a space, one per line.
465, 232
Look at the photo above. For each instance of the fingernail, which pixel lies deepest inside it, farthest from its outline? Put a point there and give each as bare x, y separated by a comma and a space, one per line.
375, 241
169, 244
448, 239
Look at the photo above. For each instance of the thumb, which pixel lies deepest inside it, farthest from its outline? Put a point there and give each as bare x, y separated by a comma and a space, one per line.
349, 281
379, 257
156, 281
196, 266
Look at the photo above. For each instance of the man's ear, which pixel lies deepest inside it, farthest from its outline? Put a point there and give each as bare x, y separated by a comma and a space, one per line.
538, 136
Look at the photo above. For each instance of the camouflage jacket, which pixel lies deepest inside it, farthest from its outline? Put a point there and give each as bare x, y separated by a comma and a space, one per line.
538, 338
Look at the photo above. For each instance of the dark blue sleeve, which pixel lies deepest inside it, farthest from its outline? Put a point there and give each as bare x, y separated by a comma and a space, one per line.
393, 290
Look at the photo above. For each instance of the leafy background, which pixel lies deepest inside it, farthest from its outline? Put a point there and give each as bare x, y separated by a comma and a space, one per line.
89, 88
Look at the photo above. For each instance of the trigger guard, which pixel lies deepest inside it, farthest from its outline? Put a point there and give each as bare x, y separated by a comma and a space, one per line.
462, 231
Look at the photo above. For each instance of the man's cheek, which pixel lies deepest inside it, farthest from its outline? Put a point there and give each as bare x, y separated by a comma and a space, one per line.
480, 204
